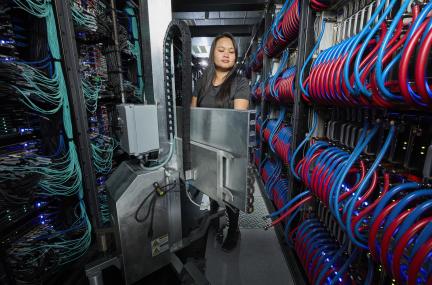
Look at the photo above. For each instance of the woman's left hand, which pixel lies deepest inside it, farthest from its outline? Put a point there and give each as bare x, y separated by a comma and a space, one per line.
241, 104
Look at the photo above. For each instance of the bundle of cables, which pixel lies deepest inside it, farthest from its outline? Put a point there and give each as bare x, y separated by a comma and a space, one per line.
102, 152
284, 29
256, 93
16, 199
16, 192
45, 244
280, 193
280, 87
324, 260
91, 94
85, 18
275, 185
105, 29
400, 235
340, 180
357, 70
319, 5
257, 156
271, 171
392, 223
284, 86
60, 173
279, 137
257, 60
136, 50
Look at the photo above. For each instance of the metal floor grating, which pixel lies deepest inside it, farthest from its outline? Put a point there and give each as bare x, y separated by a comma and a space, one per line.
254, 220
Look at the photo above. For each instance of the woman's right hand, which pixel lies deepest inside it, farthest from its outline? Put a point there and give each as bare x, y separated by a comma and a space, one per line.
194, 102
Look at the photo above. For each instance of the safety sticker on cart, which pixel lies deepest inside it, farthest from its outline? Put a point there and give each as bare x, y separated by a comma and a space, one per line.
159, 245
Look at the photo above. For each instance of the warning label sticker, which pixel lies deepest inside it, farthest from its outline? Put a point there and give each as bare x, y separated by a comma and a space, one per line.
159, 245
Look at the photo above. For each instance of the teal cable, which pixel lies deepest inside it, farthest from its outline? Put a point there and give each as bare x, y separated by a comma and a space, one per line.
136, 51
69, 248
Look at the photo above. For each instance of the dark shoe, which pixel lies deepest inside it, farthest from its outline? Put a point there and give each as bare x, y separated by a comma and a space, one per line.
231, 240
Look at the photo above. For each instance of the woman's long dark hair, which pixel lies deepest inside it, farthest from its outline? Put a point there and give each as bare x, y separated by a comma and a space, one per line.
209, 74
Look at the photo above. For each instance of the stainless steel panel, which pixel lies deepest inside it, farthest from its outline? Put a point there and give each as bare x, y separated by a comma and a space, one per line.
226, 129
127, 187
220, 141
218, 174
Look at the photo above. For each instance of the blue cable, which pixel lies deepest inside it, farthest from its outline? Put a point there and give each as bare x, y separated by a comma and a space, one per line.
410, 197
288, 205
363, 185
379, 66
408, 222
273, 179
330, 250
350, 49
343, 169
278, 17
423, 237
316, 242
344, 268
336, 156
311, 131
421, 17
283, 62
370, 273
389, 195
310, 57
371, 32
331, 261
288, 225
276, 128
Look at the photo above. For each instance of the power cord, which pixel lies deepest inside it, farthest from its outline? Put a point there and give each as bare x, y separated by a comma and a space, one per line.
158, 191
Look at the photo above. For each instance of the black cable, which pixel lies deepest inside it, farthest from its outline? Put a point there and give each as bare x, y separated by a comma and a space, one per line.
150, 230
157, 191
141, 205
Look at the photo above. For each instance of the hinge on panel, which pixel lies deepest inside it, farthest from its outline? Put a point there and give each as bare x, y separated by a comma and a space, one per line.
190, 174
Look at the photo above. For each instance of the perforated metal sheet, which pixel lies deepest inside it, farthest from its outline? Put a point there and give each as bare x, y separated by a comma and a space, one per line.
255, 220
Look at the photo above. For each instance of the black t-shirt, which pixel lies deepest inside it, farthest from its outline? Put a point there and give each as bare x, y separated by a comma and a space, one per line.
239, 90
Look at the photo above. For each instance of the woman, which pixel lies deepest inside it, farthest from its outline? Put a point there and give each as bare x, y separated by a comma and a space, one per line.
222, 87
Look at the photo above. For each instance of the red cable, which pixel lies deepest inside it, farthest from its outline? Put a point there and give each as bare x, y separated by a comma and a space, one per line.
372, 206
417, 262
373, 232
388, 234
402, 245
404, 63
353, 189
290, 211
420, 68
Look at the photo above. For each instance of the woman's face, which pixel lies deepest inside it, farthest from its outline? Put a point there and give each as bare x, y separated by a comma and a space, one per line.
224, 54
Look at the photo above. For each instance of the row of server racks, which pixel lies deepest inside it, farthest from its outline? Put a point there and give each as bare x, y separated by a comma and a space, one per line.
344, 153
64, 66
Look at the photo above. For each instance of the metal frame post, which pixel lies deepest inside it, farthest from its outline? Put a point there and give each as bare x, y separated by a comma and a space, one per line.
78, 110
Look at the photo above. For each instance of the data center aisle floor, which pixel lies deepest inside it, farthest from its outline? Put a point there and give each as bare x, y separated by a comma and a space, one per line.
257, 260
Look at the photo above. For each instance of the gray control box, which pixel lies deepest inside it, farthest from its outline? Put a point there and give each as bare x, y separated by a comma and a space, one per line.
139, 132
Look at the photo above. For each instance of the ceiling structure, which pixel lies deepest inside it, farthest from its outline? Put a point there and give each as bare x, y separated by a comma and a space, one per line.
206, 19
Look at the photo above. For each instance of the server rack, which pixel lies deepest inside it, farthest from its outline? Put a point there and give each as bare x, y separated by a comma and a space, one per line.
87, 42
395, 115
